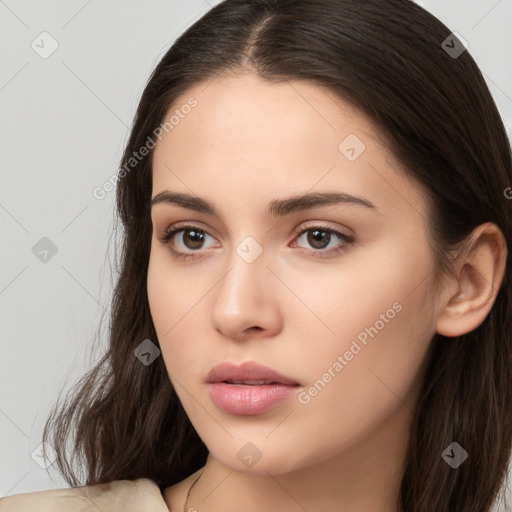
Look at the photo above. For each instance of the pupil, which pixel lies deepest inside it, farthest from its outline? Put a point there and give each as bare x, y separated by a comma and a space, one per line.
316, 239
196, 237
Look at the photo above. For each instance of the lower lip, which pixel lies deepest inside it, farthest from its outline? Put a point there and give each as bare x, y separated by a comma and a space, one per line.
246, 400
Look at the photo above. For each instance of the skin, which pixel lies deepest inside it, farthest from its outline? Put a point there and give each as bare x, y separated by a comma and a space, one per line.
246, 143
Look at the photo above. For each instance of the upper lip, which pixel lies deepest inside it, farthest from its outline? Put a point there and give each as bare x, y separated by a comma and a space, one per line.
248, 371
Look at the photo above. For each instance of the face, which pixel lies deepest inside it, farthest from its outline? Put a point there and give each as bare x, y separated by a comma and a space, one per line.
335, 293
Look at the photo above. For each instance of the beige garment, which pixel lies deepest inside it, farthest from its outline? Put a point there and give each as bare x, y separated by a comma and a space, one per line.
142, 495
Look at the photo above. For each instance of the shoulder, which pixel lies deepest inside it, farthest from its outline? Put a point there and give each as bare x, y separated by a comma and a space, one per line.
117, 496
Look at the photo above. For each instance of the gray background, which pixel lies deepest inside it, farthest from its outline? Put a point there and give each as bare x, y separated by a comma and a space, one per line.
65, 120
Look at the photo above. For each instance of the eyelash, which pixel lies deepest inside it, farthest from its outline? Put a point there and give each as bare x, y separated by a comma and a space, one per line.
319, 253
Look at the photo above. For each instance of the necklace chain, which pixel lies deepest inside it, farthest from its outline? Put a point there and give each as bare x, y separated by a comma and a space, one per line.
190, 488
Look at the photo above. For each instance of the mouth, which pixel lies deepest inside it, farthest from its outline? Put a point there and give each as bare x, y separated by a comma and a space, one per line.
248, 389
250, 382
249, 373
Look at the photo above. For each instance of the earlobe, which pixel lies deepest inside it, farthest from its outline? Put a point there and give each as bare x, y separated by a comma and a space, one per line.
479, 274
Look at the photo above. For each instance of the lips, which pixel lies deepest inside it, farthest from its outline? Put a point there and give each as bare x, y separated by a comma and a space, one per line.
248, 373
249, 388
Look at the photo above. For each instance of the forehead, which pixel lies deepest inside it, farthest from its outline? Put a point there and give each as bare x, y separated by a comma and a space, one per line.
251, 140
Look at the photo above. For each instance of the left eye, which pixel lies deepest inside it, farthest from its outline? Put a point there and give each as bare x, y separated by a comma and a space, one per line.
192, 238
319, 238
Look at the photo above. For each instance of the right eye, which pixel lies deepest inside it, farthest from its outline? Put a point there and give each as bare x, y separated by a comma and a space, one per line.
190, 237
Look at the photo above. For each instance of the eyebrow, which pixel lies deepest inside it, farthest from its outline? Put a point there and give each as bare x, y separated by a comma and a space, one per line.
276, 208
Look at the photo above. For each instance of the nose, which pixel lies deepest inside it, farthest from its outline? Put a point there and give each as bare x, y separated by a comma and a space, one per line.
246, 303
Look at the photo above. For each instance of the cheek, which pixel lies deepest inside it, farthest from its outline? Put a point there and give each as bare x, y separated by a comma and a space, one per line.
375, 362
355, 389
176, 300
371, 335
371, 292
169, 293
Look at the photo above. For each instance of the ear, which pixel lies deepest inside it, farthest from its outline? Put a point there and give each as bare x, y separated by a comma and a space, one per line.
478, 276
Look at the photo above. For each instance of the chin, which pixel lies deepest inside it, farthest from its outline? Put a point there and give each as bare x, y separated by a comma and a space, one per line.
261, 456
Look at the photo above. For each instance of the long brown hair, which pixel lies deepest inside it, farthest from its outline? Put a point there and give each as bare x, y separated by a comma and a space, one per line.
387, 58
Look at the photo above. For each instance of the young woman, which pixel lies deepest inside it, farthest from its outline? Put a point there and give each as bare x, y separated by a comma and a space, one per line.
314, 307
